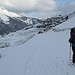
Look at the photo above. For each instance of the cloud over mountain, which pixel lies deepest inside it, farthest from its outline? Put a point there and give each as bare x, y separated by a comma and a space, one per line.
37, 8
28, 5
67, 7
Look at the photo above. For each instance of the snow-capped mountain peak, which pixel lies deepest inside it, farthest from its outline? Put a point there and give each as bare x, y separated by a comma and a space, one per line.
4, 15
8, 13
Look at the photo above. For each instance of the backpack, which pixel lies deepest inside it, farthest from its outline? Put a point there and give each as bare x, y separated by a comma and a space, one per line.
72, 33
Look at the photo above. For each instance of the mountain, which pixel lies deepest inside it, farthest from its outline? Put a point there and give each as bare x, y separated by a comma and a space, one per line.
30, 30
54, 21
44, 54
10, 22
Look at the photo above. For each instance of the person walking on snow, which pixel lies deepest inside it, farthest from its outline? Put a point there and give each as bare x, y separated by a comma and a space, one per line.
72, 42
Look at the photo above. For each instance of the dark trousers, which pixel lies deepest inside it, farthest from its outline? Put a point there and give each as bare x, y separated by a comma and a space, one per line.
73, 59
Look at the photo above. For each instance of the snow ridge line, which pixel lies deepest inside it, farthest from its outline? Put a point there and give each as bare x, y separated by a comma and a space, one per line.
58, 30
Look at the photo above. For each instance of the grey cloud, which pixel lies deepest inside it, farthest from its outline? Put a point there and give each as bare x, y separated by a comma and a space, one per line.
67, 7
37, 8
28, 5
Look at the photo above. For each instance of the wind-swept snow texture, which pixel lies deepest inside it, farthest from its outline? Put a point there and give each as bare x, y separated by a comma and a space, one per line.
44, 54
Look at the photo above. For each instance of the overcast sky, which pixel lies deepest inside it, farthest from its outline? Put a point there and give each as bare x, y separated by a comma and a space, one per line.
33, 8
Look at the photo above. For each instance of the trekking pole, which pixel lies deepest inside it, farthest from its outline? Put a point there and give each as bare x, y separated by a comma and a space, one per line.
70, 52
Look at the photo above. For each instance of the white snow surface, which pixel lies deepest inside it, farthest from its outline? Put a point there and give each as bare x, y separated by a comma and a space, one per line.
44, 54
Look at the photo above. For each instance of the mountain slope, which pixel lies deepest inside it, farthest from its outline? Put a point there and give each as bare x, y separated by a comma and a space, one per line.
44, 54
11, 22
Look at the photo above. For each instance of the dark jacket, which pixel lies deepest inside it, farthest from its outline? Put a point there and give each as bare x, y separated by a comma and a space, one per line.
72, 41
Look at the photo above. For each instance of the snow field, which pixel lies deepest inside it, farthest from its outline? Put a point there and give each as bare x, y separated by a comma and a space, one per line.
44, 54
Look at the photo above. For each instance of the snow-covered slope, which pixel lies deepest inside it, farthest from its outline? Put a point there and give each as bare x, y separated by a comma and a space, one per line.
44, 54
68, 24
18, 38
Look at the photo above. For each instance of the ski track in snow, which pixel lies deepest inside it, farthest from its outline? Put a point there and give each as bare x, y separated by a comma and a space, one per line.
56, 63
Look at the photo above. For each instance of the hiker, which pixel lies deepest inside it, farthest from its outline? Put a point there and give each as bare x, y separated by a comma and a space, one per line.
72, 42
